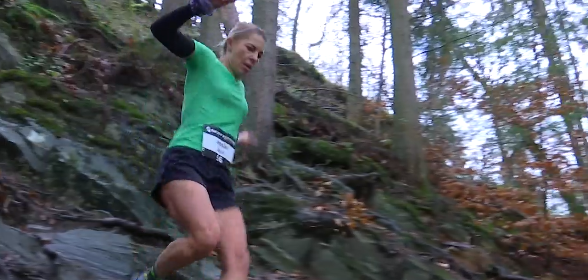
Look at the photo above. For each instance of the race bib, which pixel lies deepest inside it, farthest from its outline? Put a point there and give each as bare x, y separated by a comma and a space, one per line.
218, 145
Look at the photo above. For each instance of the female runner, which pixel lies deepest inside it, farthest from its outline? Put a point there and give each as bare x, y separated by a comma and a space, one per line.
194, 183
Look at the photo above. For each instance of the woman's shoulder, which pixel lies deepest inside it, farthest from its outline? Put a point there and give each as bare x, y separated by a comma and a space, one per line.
202, 54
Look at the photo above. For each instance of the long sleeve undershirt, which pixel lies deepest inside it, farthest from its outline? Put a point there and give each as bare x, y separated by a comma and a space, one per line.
166, 31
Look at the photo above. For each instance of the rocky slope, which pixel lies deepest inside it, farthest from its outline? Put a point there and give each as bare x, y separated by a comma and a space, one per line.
88, 101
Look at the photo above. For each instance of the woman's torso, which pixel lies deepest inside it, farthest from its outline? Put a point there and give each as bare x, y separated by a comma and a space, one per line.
213, 97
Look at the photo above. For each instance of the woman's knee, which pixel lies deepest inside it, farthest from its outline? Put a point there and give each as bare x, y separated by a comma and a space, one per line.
208, 237
236, 260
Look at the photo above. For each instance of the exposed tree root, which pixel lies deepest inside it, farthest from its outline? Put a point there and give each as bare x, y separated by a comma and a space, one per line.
130, 227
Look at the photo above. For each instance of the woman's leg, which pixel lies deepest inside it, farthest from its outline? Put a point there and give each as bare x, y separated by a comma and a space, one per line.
189, 204
234, 254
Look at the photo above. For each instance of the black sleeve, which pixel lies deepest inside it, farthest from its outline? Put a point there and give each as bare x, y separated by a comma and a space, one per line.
166, 30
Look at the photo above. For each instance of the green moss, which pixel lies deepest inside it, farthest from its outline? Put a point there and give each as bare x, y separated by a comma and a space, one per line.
40, 12
51, 124
104, 142
280, 110
36, 82
44, 104
315, 151
5, 26
130, 109
19, 18
81, 107
142, 7
17, 113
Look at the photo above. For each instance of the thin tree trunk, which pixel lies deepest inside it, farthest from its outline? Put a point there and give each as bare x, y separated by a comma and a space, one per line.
229, 16
210, 32
260, 83
381, 77
408, 142
354, 97
295, 27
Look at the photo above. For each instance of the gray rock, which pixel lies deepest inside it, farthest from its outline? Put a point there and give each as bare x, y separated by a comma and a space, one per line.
11, 93
14, 241
66, 166
102, 254
113, 131
9, 56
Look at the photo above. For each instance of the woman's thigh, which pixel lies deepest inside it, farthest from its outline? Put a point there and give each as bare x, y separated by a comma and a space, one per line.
189, 204
233, 238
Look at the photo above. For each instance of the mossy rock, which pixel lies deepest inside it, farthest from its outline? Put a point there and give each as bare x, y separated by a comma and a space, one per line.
103, 142
17, 113
44, 104
40, 12
57, 127
84, 107
262, 206
294, 61
130, 109
39, 83
314, 151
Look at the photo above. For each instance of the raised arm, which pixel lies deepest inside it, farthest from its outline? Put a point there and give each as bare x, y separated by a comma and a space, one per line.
166, 28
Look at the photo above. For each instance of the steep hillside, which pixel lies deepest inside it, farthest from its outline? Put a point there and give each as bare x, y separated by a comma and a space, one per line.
88, 101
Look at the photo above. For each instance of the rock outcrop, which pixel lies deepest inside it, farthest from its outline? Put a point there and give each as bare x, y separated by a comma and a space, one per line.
82, 130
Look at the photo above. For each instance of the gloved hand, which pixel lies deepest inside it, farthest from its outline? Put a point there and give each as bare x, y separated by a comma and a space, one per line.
206, 7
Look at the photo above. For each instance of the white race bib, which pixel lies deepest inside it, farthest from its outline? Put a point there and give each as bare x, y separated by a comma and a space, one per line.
218, 145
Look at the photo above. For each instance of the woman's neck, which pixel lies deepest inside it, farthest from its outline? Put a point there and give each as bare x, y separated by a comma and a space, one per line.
225, 61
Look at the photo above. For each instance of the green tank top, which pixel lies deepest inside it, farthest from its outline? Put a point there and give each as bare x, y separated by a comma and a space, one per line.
212, 98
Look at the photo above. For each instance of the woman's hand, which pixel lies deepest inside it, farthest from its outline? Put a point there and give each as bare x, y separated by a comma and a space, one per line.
246, 138
220, 3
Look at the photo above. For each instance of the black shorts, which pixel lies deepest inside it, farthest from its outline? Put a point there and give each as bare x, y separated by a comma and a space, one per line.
183, 163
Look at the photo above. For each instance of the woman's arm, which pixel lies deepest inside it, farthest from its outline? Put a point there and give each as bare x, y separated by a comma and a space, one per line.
166, 30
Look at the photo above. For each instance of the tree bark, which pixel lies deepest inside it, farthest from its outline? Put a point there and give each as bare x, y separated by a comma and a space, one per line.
229, 17
295, 25
354, 103
406, 114
260, 82
210, 32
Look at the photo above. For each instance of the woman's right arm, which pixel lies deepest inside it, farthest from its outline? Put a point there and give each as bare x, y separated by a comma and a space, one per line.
166, 30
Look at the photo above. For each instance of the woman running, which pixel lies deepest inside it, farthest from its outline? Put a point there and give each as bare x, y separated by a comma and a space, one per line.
194, 184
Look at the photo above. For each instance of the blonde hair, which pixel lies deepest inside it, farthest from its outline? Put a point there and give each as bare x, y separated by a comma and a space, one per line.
240, 31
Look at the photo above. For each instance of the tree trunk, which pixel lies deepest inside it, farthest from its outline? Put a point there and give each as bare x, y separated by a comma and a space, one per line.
170, 5
381, 77
295, 25
407, 127
229, 17
210, 32
260, 82
354, 103
557, 71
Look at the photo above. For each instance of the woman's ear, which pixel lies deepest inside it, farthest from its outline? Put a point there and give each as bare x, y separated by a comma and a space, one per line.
229, 44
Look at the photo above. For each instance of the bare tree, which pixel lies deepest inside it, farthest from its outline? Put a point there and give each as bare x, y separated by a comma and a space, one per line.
229, 17
260, 83
210, 32
295, 25
406, 114
354, 97
170, 5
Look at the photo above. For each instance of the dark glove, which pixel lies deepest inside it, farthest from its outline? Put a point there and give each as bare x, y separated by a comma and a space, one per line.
201, 7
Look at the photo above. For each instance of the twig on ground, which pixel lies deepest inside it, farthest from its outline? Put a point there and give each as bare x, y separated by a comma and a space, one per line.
126, 225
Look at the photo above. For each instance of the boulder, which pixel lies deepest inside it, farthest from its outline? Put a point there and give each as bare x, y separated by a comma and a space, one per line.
9, 56
81, 175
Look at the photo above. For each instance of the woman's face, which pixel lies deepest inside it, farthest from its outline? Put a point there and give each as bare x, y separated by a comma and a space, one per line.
245, 53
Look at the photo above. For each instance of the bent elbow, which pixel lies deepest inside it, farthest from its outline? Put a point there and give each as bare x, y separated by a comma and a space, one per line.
154, 30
